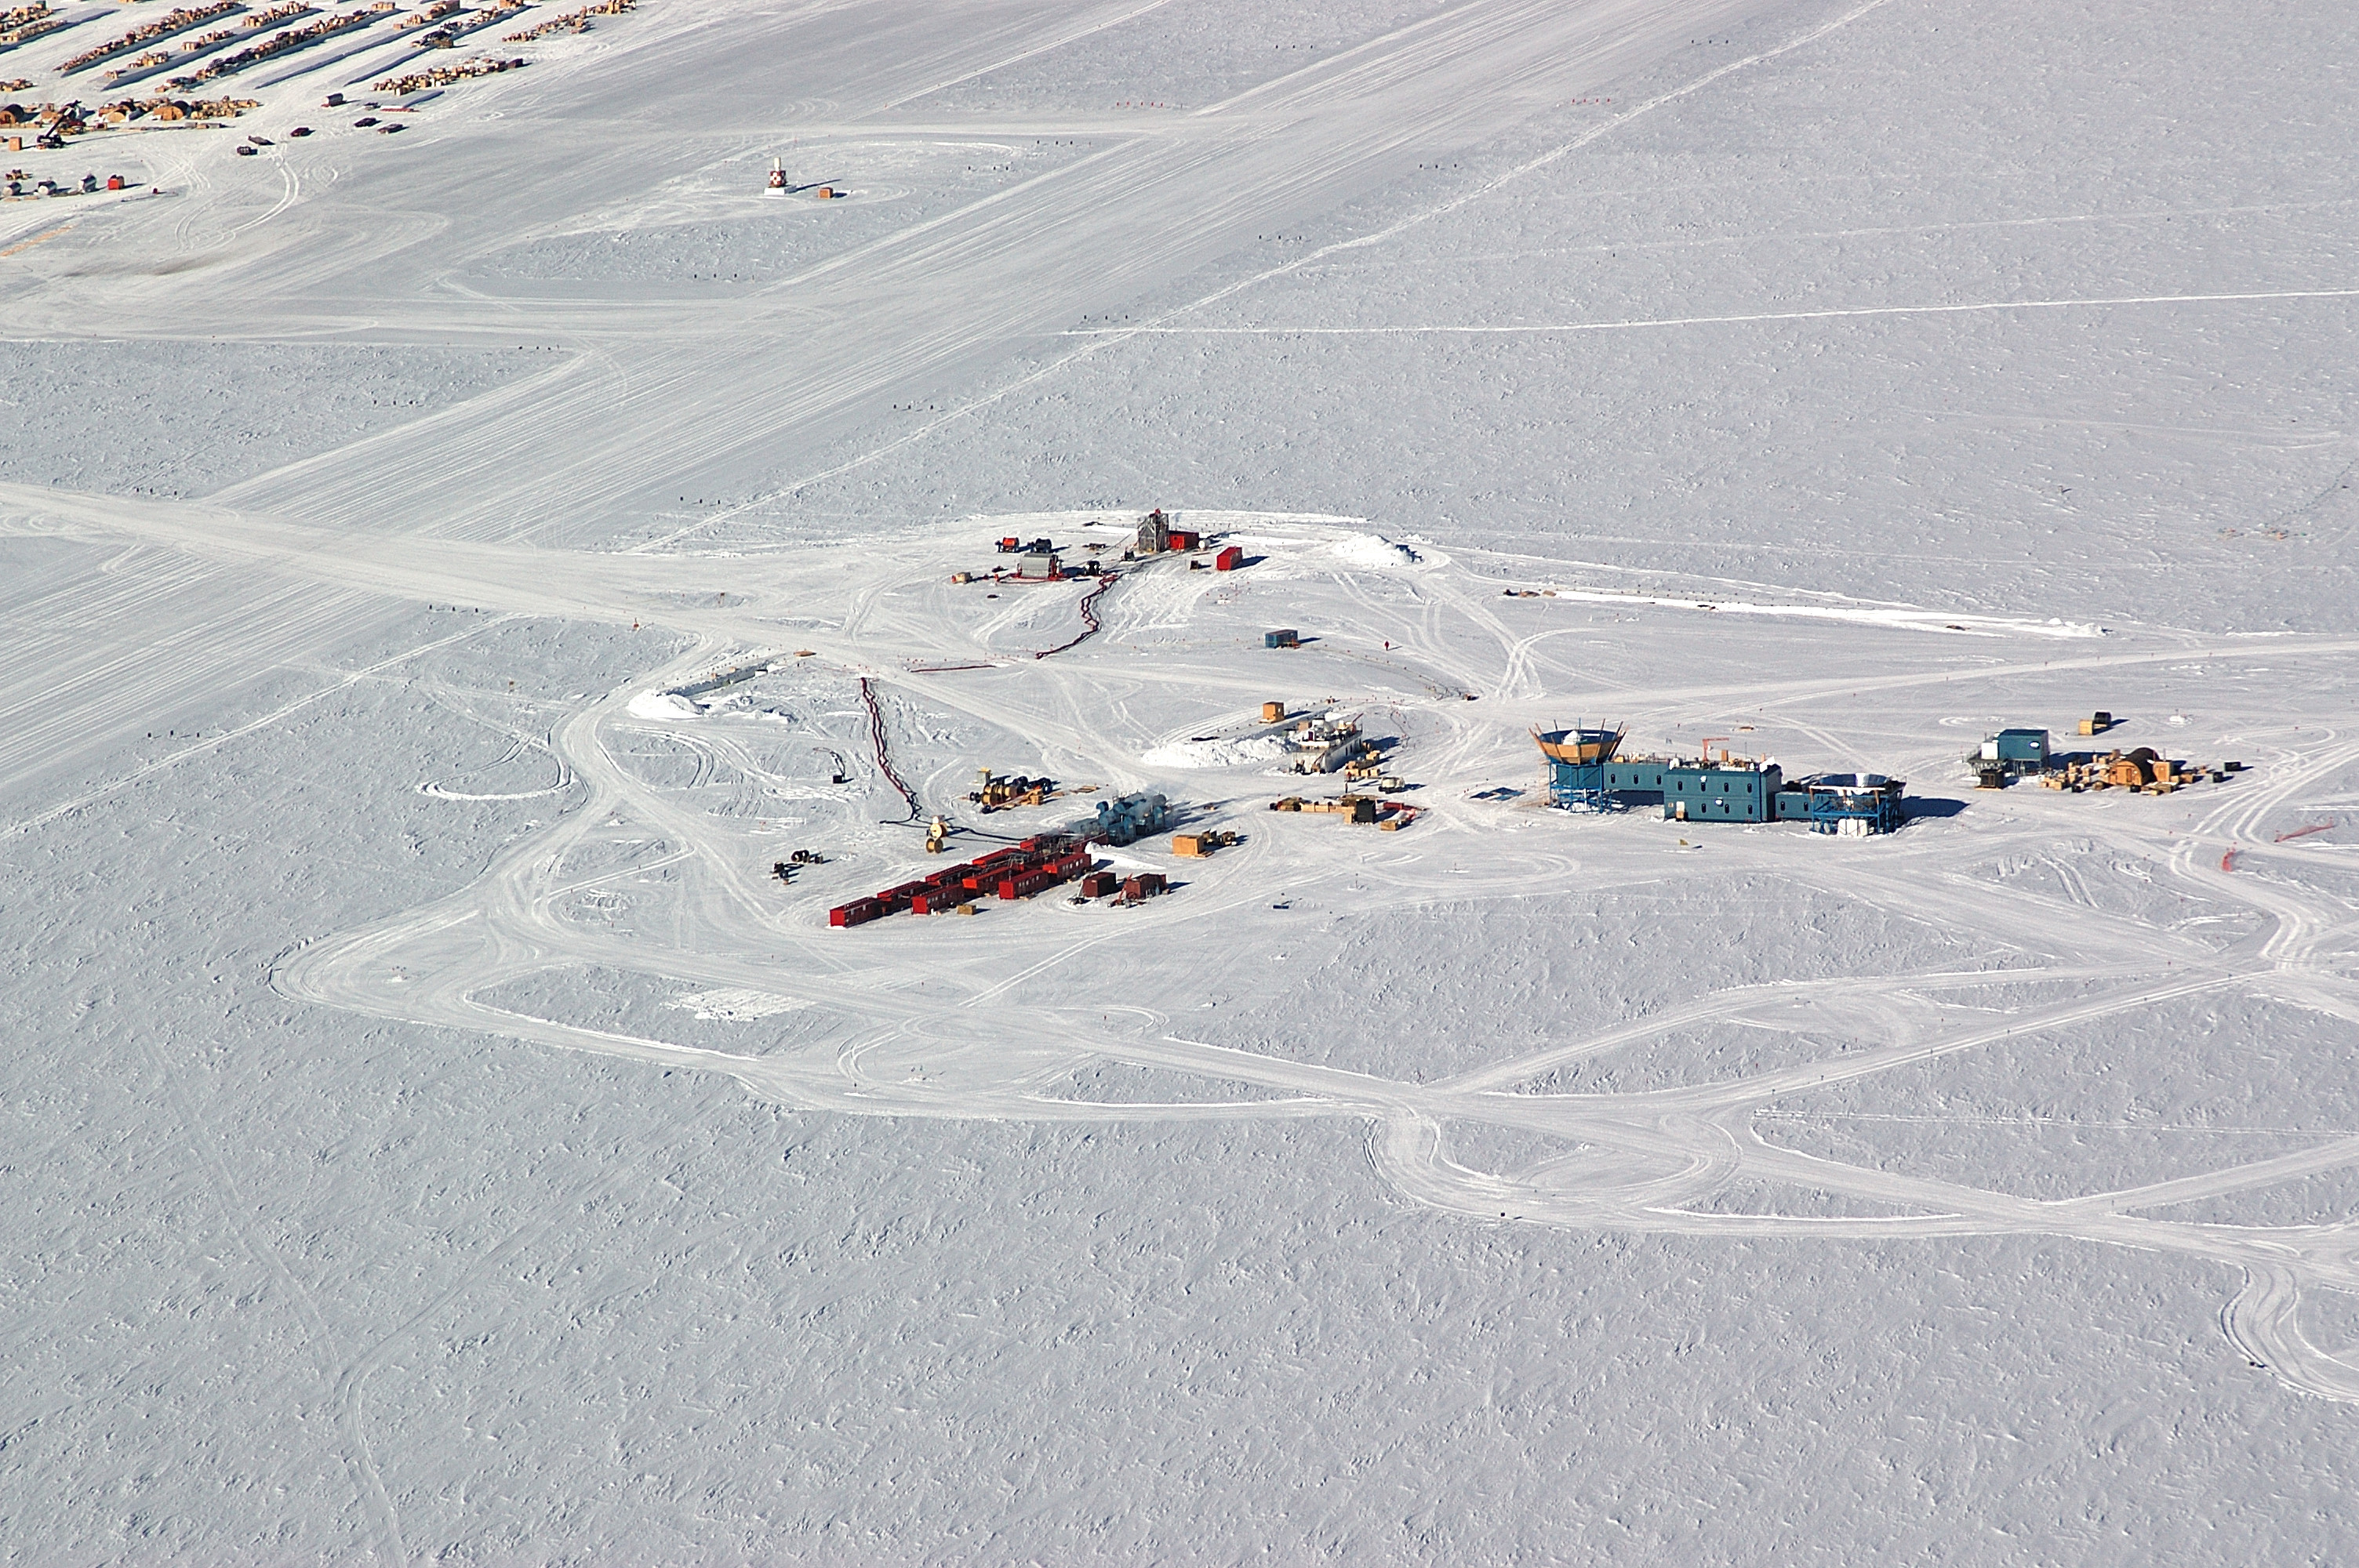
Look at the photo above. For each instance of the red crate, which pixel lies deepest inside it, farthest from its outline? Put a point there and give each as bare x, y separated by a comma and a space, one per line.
1099, 884
1229, 560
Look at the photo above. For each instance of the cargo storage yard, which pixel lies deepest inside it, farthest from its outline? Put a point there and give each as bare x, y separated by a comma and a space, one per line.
1045, 782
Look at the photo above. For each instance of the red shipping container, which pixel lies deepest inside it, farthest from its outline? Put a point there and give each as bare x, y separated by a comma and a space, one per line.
1098, 884
1229, 560
1185, 538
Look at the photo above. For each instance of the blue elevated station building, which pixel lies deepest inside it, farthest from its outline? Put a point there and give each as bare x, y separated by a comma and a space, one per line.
1584, 772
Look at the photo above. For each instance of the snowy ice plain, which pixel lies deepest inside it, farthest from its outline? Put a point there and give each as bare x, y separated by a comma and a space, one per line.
432, 1137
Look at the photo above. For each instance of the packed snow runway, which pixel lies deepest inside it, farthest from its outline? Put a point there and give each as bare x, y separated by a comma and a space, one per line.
450, 571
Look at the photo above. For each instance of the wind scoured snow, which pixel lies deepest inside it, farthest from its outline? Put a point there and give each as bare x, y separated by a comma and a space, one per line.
732, 1002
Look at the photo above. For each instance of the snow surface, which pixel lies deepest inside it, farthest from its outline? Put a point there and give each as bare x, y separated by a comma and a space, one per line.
436, 1135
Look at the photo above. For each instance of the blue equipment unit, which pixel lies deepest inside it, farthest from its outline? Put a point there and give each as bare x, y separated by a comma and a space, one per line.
1131, 818
2012, 751
2022, 745
1852, 804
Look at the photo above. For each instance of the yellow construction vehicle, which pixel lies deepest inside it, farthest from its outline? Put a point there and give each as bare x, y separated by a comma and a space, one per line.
998, 792
1004, 793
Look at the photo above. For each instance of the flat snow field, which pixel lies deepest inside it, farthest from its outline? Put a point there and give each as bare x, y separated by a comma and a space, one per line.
433, 1134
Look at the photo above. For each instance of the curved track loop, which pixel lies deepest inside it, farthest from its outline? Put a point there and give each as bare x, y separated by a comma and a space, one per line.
1654, 1159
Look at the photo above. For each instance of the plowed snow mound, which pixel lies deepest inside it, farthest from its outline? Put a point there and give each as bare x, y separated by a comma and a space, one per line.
1373, 551
1238, 752
662, 705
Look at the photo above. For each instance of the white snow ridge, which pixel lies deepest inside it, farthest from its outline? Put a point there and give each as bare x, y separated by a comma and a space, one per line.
1371, 551
771, 783
663, 706
1213, 752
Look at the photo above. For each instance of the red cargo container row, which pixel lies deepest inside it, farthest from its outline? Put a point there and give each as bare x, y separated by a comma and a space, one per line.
984, 877
1038, 863
1063, 869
